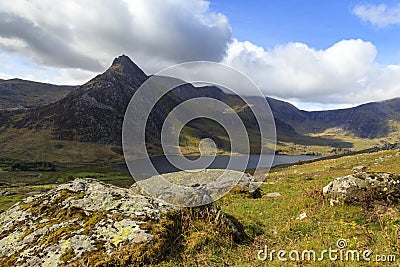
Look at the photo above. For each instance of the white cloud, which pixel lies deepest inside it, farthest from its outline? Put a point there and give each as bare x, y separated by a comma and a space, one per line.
89, 34
379, 15
345, 73
319, 107
71, 76
12, 43
15, 66
5, 76
72, 41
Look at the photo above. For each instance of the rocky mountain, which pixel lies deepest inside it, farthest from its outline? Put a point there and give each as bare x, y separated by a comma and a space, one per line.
17, 93
366, 121
94, 112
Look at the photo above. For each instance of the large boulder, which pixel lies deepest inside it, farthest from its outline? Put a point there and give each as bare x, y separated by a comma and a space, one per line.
364, 189
88, 222
197, 187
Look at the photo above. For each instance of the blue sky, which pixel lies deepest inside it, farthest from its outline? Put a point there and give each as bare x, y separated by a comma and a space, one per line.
315, 54
318, 23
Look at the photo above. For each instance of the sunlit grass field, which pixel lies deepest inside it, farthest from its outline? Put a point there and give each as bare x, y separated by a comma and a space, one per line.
274, 222
271, 222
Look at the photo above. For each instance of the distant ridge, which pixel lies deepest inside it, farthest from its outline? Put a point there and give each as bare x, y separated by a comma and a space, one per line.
18, 93
94, 112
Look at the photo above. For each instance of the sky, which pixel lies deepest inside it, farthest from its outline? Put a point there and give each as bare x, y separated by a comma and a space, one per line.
316, 54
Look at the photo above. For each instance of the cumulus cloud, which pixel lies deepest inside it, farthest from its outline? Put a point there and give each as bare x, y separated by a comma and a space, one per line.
15, 66
21, 35
5, 76
89, 34
72, 41
345, 73
379, 15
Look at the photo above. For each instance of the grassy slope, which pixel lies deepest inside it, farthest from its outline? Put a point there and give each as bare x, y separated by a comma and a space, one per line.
37, 145
26, 183
273, 222
17, 93
268, 221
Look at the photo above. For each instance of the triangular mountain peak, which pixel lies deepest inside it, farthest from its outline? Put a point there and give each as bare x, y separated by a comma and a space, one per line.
124, 65
123, 60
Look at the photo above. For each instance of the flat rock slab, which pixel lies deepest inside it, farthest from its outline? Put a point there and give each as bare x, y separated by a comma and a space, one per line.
196, 187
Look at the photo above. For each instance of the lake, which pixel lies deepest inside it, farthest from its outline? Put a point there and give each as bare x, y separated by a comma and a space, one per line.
163, 165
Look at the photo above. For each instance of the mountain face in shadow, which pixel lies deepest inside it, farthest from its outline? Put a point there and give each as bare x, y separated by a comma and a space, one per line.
17, 93
94, 112
365, 121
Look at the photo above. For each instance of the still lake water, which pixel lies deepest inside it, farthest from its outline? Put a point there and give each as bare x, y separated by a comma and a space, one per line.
163, 165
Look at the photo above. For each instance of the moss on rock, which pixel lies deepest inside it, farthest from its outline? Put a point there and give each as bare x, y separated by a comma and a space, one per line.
87, 222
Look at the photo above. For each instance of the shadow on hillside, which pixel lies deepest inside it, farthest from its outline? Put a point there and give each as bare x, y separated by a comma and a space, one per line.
315, 141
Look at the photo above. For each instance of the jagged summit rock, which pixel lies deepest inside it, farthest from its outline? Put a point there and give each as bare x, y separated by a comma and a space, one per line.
124, 61
125, 67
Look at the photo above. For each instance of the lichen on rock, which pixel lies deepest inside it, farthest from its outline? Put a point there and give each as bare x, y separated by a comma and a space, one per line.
364, 189
87, 221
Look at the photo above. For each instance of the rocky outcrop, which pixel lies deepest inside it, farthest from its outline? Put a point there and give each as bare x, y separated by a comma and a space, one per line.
359, 169
86, 222
364, 189
197, 187
386, 146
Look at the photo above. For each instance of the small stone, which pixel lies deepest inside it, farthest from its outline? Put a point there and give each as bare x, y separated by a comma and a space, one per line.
273, 195
7, 193
359, 169
302, 216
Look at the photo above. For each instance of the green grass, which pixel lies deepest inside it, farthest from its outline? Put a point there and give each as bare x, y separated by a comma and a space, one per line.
39, 145
273, 222
26, 183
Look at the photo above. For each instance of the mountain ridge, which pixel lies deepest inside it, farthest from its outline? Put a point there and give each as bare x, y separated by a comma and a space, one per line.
19, 93
93, 112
